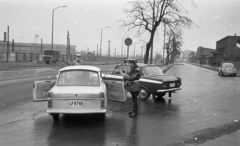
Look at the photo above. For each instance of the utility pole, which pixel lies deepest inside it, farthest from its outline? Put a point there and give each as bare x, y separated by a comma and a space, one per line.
68, 43
134, 50
12, 45
97, 49
7, 42
41, 47
109, 48
115, 53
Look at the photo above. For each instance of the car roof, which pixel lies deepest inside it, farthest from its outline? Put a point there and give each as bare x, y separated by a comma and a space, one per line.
141, 64
81, 67
227, 64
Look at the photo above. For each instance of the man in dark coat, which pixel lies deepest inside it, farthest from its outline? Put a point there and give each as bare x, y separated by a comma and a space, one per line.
133, 86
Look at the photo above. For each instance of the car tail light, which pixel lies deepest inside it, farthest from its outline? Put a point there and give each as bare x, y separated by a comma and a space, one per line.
50, 95
102, 99
49, 102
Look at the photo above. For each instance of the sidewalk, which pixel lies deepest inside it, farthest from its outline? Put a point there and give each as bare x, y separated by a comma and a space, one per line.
215, 68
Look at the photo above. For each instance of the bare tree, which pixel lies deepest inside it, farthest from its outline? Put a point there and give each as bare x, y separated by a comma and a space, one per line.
147, 15
173, 45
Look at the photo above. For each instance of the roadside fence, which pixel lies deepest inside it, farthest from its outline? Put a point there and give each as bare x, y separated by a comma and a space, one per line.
38, 58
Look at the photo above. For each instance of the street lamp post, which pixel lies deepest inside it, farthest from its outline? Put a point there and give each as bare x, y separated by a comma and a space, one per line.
53, 22
101, 39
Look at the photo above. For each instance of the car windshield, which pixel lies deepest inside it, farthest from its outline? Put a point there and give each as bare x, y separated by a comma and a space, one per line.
152, 71
78, 78
228, 65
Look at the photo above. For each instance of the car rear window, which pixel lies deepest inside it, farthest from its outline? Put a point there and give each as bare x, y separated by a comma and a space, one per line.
78, 78
152, 71
228, 65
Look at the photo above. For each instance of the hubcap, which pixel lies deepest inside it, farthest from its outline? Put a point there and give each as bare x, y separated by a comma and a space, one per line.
143, 93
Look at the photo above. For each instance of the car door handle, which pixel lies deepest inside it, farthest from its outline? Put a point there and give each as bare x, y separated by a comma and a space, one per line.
113, 81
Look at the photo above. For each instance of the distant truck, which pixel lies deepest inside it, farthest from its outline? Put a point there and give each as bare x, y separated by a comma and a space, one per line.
51, 56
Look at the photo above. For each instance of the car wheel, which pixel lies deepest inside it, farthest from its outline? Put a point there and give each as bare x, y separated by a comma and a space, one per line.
55, 117
102, 117
143, 94
234, 75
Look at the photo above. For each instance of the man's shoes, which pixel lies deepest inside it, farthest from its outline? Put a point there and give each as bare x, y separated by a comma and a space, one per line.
133, 114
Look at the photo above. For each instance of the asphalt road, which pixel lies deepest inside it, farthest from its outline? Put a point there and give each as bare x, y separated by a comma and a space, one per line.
205, 108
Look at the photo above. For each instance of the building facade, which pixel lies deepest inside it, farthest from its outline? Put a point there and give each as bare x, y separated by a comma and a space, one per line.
34, 48
227, 47
204, 52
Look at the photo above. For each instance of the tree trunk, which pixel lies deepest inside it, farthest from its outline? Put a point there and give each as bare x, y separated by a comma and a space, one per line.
148, 46
146, 57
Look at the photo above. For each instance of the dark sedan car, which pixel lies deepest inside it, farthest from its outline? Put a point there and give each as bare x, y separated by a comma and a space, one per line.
152, 81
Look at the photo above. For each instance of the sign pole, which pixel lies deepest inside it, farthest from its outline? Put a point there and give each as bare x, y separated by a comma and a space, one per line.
128, 42
127, 51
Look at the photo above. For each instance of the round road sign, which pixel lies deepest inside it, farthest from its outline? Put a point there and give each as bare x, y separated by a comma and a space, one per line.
128, 41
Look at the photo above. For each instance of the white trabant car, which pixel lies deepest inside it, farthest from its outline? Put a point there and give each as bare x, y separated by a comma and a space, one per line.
79, 90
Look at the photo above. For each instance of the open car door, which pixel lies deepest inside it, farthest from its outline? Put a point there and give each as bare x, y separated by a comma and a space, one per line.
41, 88
116, 89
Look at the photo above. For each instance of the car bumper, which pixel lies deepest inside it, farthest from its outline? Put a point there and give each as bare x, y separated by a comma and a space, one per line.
228, 73
76, 111
168, 90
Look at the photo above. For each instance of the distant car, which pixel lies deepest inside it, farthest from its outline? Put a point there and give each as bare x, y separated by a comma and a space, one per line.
152, 81
78, 90
227, 69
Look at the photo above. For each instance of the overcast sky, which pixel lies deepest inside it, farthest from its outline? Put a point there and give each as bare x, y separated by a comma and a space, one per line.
85, 18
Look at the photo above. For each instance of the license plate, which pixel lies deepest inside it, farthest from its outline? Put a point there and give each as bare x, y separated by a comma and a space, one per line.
76, 103
172, 84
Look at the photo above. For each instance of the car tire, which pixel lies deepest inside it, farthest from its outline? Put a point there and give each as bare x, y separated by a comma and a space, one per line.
143, 94
55, 117
102, 117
